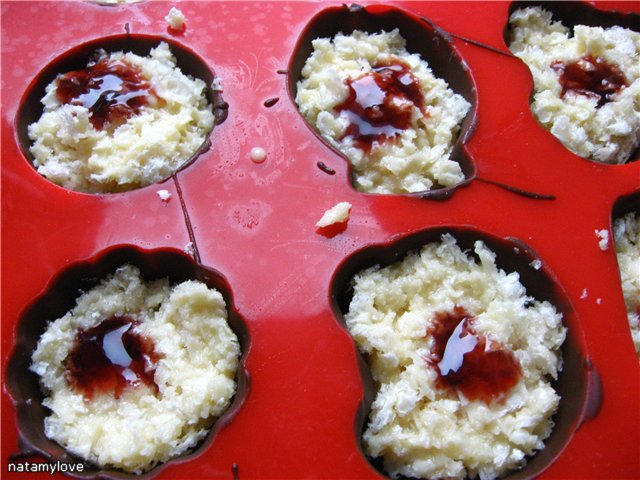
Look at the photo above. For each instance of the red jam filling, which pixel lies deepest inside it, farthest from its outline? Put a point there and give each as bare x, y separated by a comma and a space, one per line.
112, 90
592, 77
380, 104
479, 368
110, 357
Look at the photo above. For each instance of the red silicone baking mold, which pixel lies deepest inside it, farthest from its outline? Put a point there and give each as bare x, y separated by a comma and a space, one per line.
306, 390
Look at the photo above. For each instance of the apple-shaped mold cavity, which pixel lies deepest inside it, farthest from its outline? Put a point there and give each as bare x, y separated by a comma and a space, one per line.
77, 59
578, 383
626, 241
58, 298
607, 74
422, 37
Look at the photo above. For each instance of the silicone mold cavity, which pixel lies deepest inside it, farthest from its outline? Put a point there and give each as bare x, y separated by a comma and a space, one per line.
58, 298
579, 13
30, 108
422, 37
577, 383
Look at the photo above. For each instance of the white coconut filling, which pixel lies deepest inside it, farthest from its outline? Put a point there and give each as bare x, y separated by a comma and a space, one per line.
195, 375
418, 158
419, 429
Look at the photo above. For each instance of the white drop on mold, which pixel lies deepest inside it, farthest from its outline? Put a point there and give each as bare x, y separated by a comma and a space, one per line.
258, 154
339, 213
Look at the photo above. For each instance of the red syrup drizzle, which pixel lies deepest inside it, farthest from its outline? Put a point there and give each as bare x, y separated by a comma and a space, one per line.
110, 357
112, 90
380, 104
590, 76
479, 368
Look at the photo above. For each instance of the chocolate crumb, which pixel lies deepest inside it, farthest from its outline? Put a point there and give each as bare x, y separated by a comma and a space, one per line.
270, 102
325, 169
282, 72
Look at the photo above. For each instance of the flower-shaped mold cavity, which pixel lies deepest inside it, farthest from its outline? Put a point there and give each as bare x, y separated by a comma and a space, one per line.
577, 383
626, 239
122, 87
590, 108
423, 38
58, 298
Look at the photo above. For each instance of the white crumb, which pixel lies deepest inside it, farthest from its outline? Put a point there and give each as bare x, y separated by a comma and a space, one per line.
336, 214
216, 85
164, 195
603, 236
175, 19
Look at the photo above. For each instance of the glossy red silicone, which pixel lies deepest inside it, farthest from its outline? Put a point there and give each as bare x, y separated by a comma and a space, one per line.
249, 228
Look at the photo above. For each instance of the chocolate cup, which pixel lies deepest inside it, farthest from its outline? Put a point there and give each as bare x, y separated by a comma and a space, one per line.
626, 204
58, 298
572, 13
578, 382
422, 37
31, 108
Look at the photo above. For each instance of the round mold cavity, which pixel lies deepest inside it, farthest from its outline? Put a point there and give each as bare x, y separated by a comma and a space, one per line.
570, 14
625, 205
30, 108
422, 37
58, 298
578, 383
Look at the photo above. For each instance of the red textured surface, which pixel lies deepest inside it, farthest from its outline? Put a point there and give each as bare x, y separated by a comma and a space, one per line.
256, 225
